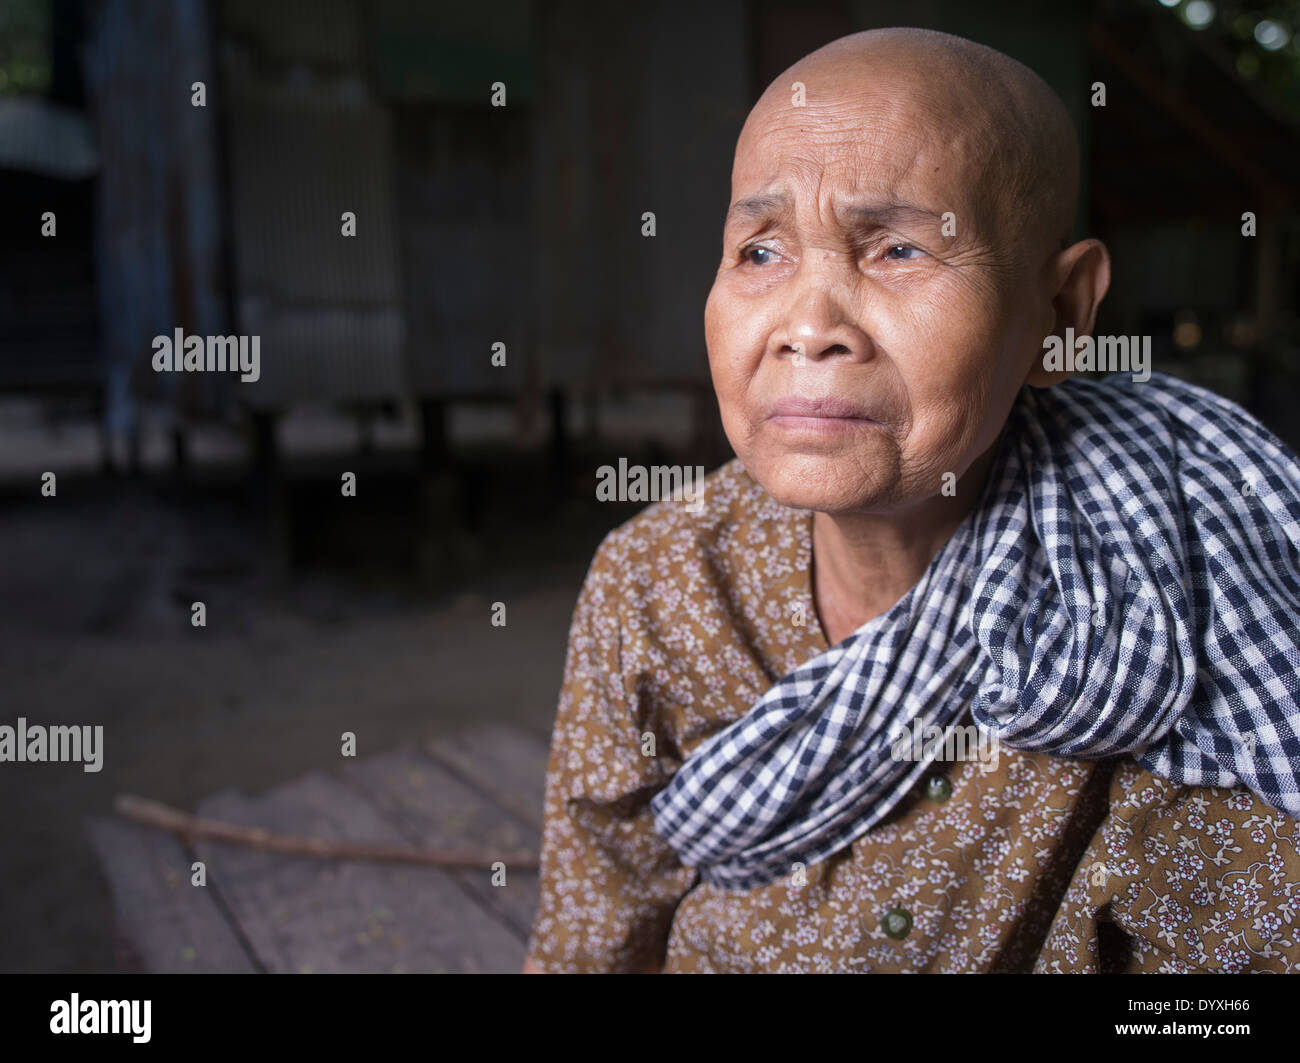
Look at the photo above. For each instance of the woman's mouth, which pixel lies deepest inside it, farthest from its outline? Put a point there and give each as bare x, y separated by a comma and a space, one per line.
828, 416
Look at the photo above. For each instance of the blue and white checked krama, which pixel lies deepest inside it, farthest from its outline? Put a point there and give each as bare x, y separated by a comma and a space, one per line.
1129, 584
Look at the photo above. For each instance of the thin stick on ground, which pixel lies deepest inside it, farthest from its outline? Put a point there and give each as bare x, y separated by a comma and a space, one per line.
156, 814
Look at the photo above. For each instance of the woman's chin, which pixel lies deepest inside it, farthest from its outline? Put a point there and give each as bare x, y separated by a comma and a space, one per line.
819, 484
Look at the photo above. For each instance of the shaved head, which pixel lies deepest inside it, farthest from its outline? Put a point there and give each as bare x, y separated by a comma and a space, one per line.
1007, 133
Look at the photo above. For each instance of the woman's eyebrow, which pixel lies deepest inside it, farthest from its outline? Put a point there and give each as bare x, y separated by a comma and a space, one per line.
756, 208
887, 214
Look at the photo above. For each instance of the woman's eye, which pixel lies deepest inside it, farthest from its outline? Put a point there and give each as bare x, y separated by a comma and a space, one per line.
903, 252
746, 254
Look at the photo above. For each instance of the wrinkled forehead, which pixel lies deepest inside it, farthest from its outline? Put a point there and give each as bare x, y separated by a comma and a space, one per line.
897, 144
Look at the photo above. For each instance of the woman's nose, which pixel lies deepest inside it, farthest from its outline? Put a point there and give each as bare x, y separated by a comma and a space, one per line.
820, 320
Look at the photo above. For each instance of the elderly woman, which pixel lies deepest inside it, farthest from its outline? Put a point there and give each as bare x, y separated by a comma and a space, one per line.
928, 526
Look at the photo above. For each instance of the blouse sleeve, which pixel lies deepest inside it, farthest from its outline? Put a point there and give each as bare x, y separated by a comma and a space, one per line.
609, 884
1180, 879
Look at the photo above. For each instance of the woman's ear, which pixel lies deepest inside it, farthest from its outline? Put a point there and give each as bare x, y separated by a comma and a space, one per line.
1080, 276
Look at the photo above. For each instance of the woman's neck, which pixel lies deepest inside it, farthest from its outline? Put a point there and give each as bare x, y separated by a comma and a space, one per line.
863, 563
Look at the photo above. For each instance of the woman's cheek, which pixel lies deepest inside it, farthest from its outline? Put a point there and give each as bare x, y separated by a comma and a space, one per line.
739, 351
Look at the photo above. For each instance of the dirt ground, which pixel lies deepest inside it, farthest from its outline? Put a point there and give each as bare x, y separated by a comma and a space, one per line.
95, 594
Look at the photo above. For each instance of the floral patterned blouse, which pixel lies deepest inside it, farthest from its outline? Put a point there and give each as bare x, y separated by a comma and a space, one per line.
1025, 863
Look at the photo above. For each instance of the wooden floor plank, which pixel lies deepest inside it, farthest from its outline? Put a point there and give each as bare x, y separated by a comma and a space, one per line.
438, 809
307, 915
508, 764
171, 925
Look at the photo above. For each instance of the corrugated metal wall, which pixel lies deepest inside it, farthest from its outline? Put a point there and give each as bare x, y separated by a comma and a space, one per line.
639, 107
464, 172
307, 141
467, 253
479, 224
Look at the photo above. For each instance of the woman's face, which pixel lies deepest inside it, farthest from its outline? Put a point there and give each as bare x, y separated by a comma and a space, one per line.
874, 314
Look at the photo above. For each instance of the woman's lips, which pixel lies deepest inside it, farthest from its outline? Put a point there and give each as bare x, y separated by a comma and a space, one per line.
827, 416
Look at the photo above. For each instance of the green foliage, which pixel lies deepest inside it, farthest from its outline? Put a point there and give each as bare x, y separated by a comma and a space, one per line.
1263, 36
26, 34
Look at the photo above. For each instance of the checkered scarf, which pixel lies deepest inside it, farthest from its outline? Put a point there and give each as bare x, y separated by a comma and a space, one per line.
1128, 584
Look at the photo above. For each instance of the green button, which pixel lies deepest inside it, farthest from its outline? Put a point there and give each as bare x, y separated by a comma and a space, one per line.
897, 923
938, 788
